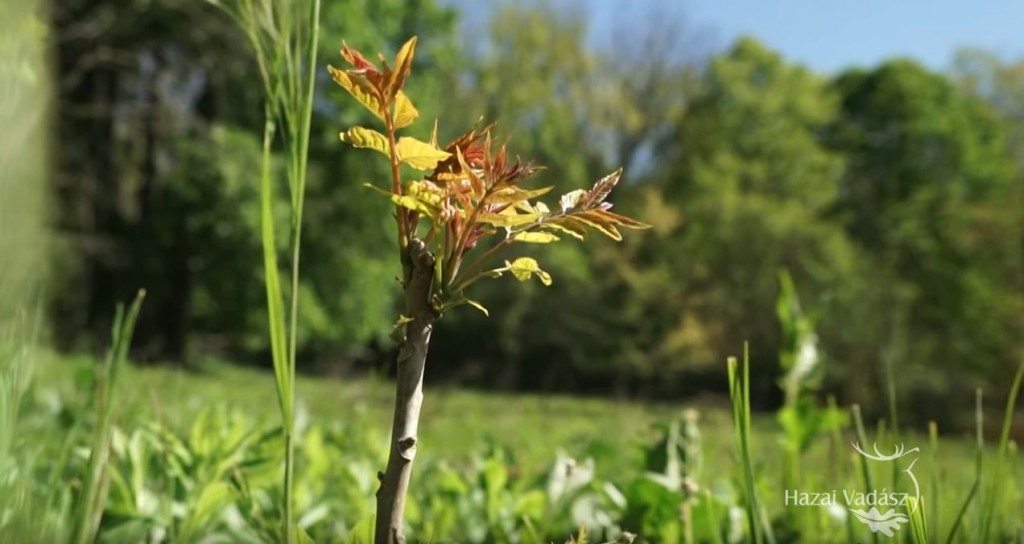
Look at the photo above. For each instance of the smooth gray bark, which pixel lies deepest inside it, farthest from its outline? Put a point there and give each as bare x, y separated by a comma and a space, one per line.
412, 357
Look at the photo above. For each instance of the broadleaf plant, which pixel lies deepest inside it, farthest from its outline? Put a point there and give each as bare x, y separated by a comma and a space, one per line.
469, 198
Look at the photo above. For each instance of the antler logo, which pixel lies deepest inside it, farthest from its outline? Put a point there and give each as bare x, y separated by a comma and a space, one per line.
890, 520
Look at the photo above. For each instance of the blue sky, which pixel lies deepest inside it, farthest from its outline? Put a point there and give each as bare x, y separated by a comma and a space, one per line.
829, 35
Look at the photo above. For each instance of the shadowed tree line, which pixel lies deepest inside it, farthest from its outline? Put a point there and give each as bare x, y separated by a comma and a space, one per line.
892, 194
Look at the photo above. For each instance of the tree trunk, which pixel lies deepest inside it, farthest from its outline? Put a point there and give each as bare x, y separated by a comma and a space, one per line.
394, 481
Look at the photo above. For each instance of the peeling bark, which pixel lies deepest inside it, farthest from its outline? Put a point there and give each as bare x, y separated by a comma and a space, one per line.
394, 481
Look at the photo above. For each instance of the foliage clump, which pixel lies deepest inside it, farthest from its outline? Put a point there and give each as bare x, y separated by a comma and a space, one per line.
470, 189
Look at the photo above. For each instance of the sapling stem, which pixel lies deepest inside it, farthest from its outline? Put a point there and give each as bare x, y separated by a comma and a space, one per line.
412, 358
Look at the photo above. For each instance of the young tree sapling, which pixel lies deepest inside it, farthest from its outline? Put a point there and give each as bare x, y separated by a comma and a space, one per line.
469, 191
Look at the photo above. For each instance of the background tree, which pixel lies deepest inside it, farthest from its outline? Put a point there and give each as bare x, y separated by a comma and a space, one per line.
155, 183
623, 103
929, 194
754, 184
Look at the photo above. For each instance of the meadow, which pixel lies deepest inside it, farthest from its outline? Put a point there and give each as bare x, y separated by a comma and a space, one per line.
195, 457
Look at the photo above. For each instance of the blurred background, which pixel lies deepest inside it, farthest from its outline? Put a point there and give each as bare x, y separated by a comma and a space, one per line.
875, 152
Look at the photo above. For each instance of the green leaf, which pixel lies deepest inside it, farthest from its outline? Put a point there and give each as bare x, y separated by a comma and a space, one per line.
212, 500
360, 90
412, 203
419, 154
620, 220
405, 112
478, 306
525, 267
513, 194
403, 65
599, 224
302, 537
507, 220
474, 180
573, 229
272, 281
388, 194
365, 138
532, 504
535, 237
362, 532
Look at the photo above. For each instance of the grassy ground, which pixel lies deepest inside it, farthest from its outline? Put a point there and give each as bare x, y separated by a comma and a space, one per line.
458, 425
455, 422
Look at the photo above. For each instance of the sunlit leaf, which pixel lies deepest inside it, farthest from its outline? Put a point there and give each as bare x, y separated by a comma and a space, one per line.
525, 267
433, 135
418, 154
356, 59
568, 225
405, 112
620, 220
474, 180
403, 65
571, 199
376, 189
360, 89
412, 203
366, 138
514, 194
596, 222
602, 189
507, 220
535, 237
478, 306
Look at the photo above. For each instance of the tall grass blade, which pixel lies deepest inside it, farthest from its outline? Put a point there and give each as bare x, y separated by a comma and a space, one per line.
978, 467
92, 500
933, 485
284, 38
988, 508
272, 280
918, 522
865, 470
739, 393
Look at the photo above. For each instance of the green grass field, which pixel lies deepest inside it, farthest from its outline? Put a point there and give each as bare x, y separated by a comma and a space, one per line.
456, 422
487, 461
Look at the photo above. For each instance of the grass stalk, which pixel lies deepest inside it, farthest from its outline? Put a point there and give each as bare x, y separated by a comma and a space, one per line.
839, 466
93, 497
286, 53
978, 468
862, 438
739, 393
994, 490
933, 486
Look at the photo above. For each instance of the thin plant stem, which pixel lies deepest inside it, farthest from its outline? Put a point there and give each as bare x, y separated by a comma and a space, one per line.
299, 157
994, 490
862, 438
978, 469
284, 44
93, 498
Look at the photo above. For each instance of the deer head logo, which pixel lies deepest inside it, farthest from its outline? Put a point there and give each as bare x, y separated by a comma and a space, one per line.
891, 519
